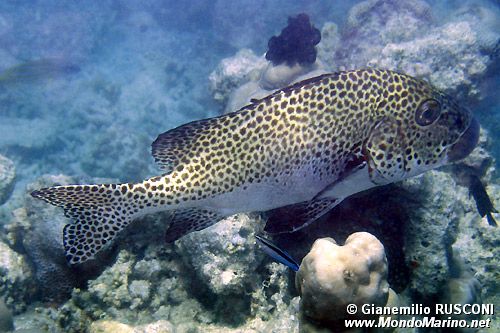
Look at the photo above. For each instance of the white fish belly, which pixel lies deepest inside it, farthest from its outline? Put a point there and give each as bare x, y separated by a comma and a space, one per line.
270, 194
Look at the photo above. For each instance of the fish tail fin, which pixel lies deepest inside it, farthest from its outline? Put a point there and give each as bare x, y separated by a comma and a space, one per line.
99, 212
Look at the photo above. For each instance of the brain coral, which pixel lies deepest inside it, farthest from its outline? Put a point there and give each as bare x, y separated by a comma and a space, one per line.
332, 276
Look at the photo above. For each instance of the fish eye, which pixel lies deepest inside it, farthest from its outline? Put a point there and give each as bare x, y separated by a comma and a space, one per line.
428, 111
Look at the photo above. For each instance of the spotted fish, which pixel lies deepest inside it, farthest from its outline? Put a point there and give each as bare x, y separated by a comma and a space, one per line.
301, 150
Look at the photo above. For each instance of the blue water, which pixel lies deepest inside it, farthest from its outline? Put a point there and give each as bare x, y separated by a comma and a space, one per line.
85, 87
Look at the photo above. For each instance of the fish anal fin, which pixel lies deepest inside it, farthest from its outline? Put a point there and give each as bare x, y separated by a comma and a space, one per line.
188, 220
294, 217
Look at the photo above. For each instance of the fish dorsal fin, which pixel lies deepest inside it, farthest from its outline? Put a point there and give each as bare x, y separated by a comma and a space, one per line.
188, 142
183, 144
188, 220
294, 217
169, 148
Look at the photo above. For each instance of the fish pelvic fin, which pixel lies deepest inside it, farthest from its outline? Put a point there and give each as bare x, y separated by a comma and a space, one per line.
98, 212
295, 217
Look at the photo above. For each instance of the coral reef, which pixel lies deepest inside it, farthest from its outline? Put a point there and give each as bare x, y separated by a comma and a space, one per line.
291, 57
332, 276
477, 244
453, 55
443, 228
109, 326
7, 176
374, 23
195, 278
130, 291
444, 225
39, 320
462, 288
279, 76
449, 56
193, 284
330, 43
262, 79
233, 72
16, 279
431, 228
36, 229
220, 257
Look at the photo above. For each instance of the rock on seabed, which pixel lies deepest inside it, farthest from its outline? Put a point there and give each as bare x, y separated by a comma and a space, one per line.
7, 177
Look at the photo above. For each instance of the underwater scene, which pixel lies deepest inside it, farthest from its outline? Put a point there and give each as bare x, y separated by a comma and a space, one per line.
249, 166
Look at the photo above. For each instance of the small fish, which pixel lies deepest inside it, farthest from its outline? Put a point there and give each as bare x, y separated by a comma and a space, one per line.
275, 252
301, 151
468, 177
37, 70
483, 201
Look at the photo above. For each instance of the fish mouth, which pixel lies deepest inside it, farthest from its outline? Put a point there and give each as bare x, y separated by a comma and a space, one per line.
466, 144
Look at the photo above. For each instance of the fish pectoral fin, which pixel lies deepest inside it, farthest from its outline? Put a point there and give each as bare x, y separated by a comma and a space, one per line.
294, 217
188, 220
